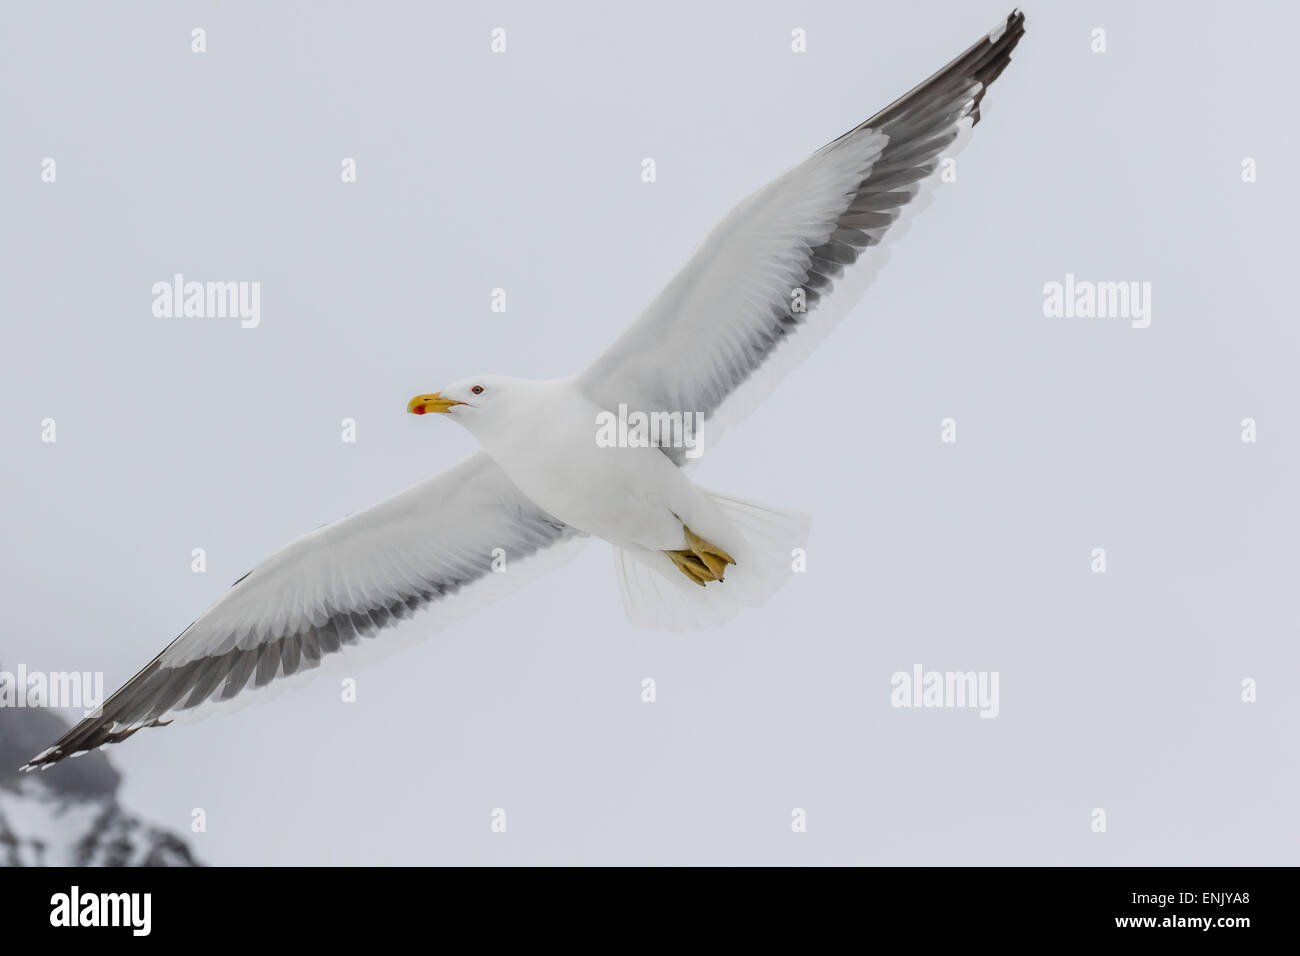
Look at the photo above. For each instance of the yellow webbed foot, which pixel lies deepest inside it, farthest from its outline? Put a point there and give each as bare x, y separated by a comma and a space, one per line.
700, 561
691, 566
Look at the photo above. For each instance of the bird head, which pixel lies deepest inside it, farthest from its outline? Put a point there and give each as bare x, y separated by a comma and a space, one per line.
473, 402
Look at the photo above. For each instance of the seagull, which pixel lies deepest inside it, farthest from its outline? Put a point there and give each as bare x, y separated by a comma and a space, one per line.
766, 285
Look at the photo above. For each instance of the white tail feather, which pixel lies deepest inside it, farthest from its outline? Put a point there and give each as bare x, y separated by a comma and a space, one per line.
656, 594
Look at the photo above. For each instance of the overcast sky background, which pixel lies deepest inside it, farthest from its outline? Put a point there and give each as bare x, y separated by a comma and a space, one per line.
522, 170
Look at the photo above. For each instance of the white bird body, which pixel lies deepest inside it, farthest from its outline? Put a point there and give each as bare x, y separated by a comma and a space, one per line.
543, 435
758, 294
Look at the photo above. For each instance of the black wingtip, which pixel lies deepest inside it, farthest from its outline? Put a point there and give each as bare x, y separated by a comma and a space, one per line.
996, 56
983, 62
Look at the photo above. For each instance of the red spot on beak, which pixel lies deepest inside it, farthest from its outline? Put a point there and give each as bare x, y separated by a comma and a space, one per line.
418, 410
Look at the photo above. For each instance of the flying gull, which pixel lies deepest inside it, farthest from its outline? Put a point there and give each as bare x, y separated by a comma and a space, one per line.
765, 286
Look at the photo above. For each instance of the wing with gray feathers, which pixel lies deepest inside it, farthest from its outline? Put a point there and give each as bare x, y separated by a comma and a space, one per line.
331, 592
788, 262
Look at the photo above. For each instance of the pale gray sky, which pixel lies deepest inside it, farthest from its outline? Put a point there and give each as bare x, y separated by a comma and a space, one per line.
522, 170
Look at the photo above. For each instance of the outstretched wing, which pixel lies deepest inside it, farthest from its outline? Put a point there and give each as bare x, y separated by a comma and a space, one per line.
790, 260
333, 590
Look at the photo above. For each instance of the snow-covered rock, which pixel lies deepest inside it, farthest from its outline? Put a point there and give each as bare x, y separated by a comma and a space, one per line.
69, 815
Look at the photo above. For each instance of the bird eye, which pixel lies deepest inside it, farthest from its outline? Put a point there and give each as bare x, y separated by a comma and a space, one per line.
477, 389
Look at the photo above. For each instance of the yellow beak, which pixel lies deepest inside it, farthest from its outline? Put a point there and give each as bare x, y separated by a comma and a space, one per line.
430, 403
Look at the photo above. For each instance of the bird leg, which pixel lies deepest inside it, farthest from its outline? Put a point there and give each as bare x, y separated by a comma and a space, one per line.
700, 561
